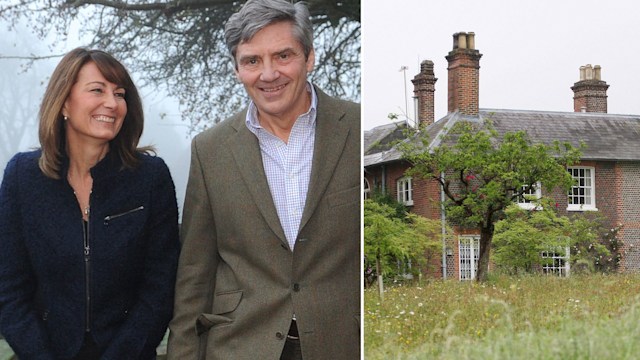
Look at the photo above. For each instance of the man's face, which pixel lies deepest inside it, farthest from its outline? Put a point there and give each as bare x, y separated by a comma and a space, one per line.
273, 69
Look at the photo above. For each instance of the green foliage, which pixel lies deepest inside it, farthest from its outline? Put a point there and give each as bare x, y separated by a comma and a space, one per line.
485, 171
390, 237
523, 235
386, 199
426, 237
595, 245
381, 229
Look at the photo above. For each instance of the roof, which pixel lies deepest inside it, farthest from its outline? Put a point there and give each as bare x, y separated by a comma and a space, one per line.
379, 142
607, 137
381, 138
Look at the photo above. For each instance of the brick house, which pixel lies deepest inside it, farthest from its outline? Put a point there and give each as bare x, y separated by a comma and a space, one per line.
608, 174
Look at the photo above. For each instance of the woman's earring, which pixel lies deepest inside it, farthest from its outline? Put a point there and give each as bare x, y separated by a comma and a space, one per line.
65, 118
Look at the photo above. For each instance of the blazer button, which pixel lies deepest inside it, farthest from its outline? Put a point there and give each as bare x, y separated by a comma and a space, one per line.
296, 287
279, 335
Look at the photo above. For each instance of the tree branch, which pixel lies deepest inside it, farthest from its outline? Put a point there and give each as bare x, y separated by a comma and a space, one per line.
173, 6
30, 57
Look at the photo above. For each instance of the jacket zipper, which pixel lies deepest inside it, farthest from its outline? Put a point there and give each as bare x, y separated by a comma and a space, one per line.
87, 273
111, 217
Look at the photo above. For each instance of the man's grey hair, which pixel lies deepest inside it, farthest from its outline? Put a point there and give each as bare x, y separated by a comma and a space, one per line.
257, 14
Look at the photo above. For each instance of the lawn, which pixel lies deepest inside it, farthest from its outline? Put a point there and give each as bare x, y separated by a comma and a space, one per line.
532, 317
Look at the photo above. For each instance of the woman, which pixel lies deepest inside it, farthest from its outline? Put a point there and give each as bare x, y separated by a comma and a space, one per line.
88, 224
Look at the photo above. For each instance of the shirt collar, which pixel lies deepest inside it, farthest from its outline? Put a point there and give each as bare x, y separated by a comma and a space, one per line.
253, 124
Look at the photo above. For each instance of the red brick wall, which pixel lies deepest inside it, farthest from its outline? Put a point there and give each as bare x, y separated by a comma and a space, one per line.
424, 89
464, 80
629, 210
590, 95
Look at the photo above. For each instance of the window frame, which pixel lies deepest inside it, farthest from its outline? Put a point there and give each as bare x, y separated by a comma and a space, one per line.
592, 187
366, 190
529, 204
404, 186
404, 190
468, 265
560, 264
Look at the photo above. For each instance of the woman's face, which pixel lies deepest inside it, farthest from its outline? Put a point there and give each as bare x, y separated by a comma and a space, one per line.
95, 107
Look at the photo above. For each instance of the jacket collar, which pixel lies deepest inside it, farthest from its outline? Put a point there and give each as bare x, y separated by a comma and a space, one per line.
110, 165
331, 137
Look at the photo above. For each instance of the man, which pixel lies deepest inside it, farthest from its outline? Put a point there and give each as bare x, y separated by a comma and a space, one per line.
270, 262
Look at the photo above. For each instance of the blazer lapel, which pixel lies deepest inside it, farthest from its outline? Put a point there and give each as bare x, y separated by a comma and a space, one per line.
246, 153
331, 137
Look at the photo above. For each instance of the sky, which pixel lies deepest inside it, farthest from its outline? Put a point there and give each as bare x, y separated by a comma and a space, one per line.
532, 52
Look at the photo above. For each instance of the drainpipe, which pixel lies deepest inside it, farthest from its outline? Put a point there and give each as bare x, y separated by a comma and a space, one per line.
384, 179
567, 260
443, 219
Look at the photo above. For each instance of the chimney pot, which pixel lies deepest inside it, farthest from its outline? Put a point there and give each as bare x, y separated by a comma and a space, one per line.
471, 40
583, 72
462, 40
426, 67
596, 72
589, 72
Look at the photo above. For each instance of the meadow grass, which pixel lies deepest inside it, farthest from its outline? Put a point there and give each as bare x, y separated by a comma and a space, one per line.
532, 317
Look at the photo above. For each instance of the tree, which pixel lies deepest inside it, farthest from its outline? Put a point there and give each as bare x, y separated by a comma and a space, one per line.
177, 45
389, 238
523, 235
482, 172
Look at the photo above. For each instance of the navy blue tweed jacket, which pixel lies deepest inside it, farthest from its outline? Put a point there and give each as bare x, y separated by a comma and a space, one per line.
49, 293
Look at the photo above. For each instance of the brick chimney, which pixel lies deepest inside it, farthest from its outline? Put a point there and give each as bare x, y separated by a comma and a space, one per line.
424, 87
590, 93
464, 74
